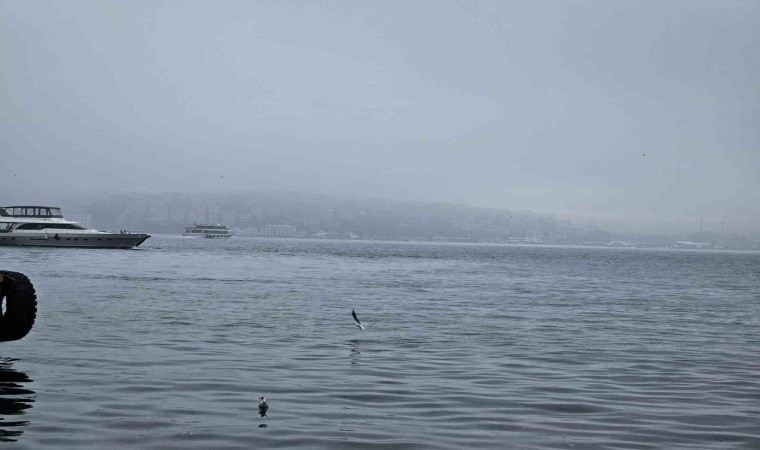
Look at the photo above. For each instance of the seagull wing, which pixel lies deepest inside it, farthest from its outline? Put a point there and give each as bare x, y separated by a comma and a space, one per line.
356, 319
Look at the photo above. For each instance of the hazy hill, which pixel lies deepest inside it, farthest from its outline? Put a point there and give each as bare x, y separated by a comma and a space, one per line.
311, 213
361, 217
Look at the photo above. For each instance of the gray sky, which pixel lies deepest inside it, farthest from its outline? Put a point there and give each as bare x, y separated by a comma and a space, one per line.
642, 110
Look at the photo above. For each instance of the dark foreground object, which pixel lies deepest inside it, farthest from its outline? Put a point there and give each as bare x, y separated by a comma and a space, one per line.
20, 305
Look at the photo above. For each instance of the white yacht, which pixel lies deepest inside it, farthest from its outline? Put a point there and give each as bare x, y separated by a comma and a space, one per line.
207, 230
45, 226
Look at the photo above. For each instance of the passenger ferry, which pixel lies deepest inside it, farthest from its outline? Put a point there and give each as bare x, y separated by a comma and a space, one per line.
208, 230
44, 226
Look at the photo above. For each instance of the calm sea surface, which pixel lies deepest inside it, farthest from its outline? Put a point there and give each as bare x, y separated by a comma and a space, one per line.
467, 346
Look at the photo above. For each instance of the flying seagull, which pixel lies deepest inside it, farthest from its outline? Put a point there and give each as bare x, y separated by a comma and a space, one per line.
358, 322
263, 406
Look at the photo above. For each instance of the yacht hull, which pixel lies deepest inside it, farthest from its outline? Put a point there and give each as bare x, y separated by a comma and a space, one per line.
89, 240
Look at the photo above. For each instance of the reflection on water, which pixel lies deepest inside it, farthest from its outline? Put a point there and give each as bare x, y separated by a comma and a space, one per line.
354, 352
14, 400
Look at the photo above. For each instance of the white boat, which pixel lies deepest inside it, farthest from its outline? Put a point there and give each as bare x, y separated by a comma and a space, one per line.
207, 230
44, 226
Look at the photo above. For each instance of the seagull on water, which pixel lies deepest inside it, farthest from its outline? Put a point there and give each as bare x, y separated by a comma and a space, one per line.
263, 406
358, 322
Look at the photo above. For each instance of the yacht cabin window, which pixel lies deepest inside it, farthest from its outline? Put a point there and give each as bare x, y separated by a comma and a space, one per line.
50, 226
32, 211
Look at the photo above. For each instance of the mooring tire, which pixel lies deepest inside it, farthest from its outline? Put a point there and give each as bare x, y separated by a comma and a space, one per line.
20, 305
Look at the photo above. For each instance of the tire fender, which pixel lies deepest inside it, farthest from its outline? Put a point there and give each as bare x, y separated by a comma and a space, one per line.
19, 299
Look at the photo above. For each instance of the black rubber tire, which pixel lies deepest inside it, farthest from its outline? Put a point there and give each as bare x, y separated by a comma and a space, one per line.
20, 305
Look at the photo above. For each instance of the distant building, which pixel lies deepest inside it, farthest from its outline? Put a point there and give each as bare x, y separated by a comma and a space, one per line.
279, 231
689, 244
621, 244
339, 236
83, 219
524, 240
451, 239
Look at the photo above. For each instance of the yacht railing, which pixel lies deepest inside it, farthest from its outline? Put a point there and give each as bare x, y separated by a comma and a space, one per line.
52, 231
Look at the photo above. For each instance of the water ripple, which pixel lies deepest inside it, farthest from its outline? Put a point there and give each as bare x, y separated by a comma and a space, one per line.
466, 347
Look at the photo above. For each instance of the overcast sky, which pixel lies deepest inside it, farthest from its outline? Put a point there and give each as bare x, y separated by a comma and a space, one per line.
632, 109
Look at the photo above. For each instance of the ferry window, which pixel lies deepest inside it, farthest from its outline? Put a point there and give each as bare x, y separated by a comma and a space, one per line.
5, 227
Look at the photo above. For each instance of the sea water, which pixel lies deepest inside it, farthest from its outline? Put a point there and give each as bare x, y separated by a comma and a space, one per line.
169, 346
